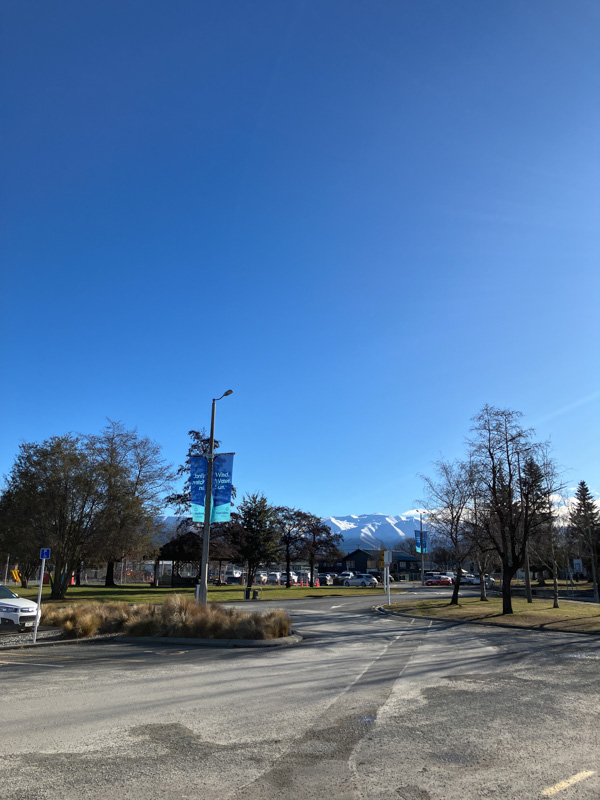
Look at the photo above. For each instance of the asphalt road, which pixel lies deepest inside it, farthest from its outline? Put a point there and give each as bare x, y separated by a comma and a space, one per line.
366, 707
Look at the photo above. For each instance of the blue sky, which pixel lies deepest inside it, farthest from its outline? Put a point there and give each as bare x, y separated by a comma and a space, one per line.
367, 219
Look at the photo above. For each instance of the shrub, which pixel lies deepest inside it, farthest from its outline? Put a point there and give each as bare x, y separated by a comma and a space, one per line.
178, 617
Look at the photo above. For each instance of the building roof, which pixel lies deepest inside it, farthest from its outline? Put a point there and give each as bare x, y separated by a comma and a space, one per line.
397, 555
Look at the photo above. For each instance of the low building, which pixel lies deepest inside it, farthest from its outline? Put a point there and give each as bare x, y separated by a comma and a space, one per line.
403, 567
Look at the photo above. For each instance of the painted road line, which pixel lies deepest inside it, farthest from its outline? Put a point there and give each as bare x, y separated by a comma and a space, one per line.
33, 664
340, 605
559, 787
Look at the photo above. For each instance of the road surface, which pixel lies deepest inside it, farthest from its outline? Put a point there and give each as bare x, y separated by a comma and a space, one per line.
367, 707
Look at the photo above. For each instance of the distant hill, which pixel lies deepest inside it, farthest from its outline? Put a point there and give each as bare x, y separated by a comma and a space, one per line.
370, 531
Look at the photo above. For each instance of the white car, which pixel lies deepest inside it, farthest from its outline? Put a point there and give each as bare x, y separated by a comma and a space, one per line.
489, 582
361, 580
15, 612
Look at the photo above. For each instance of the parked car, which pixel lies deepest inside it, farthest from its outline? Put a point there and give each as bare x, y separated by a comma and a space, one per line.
345, 575
274, 578
489, 582
261, 578
361, 580
293, 578
439, 580
15, 612
325, 579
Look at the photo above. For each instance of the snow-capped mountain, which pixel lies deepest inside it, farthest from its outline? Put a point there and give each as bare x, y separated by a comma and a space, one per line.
373, 531
369, 531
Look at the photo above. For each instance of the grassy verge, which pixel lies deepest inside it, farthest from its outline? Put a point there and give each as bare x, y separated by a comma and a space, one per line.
177, 617
571, 616
581, 586
136, 593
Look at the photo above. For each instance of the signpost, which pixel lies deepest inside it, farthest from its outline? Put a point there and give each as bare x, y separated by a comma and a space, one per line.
387, 561
44, 555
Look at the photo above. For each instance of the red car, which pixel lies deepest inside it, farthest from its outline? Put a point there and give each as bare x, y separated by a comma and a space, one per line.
441, 580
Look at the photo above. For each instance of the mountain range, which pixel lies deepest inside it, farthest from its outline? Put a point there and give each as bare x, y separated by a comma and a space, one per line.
369, 531
373, 531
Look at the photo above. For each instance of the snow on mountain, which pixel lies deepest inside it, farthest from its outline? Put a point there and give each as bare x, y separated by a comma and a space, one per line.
373, 531
369, 531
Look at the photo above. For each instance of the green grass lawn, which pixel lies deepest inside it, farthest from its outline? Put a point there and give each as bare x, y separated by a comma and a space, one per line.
572, 616
140, 593
581, 586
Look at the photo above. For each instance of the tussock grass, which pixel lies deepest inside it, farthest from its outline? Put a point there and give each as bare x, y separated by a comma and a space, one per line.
177, 617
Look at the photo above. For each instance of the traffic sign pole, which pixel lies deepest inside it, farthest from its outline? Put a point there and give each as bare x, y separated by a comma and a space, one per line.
44, 554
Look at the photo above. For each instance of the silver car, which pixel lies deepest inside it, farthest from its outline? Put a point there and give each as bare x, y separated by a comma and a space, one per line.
361, 580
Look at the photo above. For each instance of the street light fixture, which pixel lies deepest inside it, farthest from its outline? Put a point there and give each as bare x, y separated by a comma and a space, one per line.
203, 582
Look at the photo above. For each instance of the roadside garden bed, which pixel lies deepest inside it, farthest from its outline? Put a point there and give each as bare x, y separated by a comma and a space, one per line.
178, 617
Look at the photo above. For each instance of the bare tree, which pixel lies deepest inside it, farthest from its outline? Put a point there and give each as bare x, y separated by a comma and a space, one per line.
447, 496
513, 499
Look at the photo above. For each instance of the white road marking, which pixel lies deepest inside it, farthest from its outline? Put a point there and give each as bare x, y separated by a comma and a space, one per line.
33, 664
559, 787
340, 605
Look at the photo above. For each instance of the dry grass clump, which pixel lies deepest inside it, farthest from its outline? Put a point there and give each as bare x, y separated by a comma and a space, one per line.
178, 617
79, 622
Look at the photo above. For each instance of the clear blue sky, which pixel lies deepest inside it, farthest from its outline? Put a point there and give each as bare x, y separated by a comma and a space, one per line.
368, 219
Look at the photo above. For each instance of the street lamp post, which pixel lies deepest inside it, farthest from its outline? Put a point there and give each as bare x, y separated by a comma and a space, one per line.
203, 582
422, 550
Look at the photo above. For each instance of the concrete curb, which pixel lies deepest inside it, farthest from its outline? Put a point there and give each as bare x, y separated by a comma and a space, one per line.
382, 610
284, 641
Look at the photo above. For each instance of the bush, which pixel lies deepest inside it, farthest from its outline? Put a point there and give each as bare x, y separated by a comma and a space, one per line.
179, 616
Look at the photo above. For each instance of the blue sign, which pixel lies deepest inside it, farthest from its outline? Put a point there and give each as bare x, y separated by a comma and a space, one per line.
45, 552
418, 541
221, 487
198, 470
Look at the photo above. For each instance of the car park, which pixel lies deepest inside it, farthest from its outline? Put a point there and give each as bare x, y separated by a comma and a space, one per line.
361, 580
325, 579
16, 613
293, 578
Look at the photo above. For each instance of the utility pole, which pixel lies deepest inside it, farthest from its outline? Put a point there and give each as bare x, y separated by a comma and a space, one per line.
203, 582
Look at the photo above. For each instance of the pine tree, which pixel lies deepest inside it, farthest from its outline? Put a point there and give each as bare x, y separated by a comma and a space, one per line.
584, 523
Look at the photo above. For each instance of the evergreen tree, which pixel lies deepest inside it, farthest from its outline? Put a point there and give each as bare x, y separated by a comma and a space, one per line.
253, 533
584, 524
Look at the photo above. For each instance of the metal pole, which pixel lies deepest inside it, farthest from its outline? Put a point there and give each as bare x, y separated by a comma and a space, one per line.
203, 583
39, 602
387, 569
422, 553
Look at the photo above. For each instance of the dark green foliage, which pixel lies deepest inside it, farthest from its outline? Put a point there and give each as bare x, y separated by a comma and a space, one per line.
253, 533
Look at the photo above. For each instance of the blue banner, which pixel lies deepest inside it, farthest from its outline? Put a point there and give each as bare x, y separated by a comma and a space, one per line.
418, 541
198, 471
221, 487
